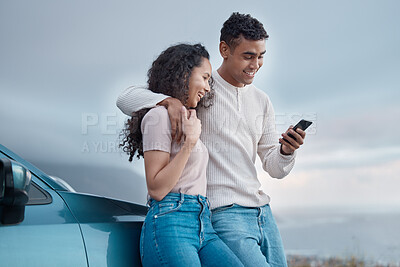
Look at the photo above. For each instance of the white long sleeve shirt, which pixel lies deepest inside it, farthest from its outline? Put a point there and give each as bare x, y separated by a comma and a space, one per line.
239, 125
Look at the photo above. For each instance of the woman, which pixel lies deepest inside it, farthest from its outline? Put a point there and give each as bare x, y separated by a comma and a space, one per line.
177, 230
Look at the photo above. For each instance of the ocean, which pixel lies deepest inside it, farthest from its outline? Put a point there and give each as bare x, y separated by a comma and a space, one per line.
373, 237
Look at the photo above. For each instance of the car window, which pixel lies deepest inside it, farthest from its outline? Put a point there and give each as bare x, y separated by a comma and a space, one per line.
38, 196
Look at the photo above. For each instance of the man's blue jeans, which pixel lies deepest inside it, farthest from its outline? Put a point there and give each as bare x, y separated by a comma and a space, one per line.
177, 232
251, 233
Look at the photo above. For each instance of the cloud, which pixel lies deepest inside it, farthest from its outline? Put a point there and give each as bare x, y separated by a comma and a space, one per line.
371, 186
334, 62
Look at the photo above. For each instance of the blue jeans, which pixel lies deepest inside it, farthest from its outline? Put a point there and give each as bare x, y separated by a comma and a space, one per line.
177, 232
251, 233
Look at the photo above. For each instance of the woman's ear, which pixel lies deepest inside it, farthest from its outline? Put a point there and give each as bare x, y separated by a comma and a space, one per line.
224, 49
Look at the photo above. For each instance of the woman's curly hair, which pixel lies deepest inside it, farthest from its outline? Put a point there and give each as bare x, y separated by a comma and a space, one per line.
169, 75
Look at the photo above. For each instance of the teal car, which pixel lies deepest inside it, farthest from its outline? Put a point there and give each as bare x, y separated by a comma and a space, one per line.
45, 223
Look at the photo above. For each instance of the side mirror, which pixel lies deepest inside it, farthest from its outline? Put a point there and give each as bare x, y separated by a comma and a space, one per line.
15, 181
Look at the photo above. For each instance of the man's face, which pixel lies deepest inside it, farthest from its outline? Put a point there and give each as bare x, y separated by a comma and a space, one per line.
243, 61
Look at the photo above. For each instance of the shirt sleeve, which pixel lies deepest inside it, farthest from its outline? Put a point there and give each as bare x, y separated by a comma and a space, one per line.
273, 162
156, 130
135, 98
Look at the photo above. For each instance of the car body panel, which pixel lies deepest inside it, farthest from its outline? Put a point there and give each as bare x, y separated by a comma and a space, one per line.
107, 225
71, 229
49, 233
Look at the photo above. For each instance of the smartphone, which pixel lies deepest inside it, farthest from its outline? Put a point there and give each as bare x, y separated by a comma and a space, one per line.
303, 124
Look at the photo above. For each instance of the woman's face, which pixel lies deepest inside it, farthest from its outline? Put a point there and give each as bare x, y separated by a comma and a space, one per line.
198, 83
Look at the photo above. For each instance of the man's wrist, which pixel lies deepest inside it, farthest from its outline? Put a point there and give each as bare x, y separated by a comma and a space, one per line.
165, 102
283, 152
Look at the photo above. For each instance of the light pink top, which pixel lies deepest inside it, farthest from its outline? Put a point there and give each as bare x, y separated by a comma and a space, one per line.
156, 130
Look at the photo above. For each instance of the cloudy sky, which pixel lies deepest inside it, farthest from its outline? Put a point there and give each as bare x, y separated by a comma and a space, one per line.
337, 63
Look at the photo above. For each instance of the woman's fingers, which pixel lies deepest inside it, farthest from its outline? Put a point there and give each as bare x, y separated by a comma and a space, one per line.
192, 114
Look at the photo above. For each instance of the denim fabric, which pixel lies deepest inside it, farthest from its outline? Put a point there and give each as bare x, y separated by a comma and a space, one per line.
177, 232
251, 233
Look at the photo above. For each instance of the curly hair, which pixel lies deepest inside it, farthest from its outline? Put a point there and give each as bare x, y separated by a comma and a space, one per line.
241, 25
169, 75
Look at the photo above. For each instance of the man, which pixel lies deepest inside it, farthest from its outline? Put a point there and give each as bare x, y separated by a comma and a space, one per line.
239, 125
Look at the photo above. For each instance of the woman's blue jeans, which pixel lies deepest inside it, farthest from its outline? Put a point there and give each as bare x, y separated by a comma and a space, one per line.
177, 232
251, 233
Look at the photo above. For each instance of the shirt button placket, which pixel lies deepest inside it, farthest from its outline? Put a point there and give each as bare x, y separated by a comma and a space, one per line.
239, 98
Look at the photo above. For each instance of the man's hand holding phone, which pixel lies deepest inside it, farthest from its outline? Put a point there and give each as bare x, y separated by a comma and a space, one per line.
293, 138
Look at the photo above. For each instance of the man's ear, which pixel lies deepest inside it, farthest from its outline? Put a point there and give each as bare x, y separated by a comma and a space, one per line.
224, 49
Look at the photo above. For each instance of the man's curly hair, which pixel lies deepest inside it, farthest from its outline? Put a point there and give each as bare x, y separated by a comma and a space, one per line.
241, 25
169, 75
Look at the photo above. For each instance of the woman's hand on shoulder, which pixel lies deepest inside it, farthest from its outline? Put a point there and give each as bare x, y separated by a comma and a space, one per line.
191, 126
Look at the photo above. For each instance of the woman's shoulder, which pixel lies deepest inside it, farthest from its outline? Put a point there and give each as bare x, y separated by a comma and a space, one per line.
156, 130
157, 116
159, 111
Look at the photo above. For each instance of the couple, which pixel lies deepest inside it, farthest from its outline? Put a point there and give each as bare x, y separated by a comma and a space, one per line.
188, 158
